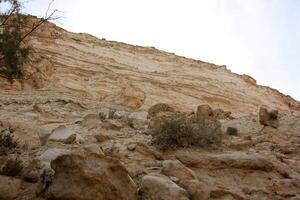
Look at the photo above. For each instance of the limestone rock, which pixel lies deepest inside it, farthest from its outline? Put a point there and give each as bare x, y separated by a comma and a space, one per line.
112, 124
160, 187
91, 121
160, 107
45, 131
31, 173
177, 169
101, 137
204, 111
93, 148
90, 177
187, 179
10, 187
237, 160
63, 134
268, 118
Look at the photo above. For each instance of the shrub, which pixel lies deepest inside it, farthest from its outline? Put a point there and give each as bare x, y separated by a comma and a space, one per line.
13, 167
179, 131
12, 50
7, 141
232, 131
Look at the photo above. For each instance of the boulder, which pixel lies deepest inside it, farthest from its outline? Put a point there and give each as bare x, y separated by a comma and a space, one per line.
120, 114
157, 108
112, 124
63, 134
104, 113
204, 111
10, 187
237, 160
176, 169
267, 118
90, 177
221, 114
31, 173
138, 119
187, 179
51, 154
160, 187
45, 131
91, 121
196, 189
101, 137
93, 148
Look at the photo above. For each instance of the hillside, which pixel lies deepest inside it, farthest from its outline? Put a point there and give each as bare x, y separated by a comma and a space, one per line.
82, 66
83, 122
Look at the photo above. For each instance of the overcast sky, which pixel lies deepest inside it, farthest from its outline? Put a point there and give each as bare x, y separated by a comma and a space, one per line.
260, 38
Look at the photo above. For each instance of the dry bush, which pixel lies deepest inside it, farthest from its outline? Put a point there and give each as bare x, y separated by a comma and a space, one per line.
179, 131
7, 142
13, 167
232, 131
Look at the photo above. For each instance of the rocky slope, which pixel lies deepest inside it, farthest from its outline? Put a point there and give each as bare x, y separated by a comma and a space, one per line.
81, 121
84, 67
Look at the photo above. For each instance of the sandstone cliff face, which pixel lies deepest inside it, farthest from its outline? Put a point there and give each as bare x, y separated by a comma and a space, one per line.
84, 67
82, 123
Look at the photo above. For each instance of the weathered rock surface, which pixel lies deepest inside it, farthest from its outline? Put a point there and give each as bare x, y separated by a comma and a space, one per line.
267, 118
90, 177
101, 91
159, 187
10, 187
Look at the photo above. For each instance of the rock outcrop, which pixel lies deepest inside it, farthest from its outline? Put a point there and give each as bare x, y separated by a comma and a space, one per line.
80, 127
90, 177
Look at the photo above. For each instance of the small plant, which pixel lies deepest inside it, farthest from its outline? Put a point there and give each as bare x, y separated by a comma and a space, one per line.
180, 131
13, 167
7, 141
232, 131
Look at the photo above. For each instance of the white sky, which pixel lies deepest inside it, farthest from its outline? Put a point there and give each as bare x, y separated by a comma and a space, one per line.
260, 38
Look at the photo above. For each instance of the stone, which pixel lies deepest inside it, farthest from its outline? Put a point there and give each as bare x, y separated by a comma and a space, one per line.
10, 187
62, 134
187, 179
268, 118
131, 147
51, 154
138, 119
93, 148
112, 124
104, 113
177, 169
196, 189
71, 139
91, 121
45, 131
101, 137
234, 160
157, 108
204, 111
139, 115
147, 151
221, 114
120, 114
90, 176
160, 187
31, 173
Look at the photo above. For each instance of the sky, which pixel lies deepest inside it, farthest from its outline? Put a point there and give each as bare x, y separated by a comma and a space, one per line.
260, 38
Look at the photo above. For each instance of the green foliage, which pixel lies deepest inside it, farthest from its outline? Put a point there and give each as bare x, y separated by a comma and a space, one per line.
12, 51
180, 131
